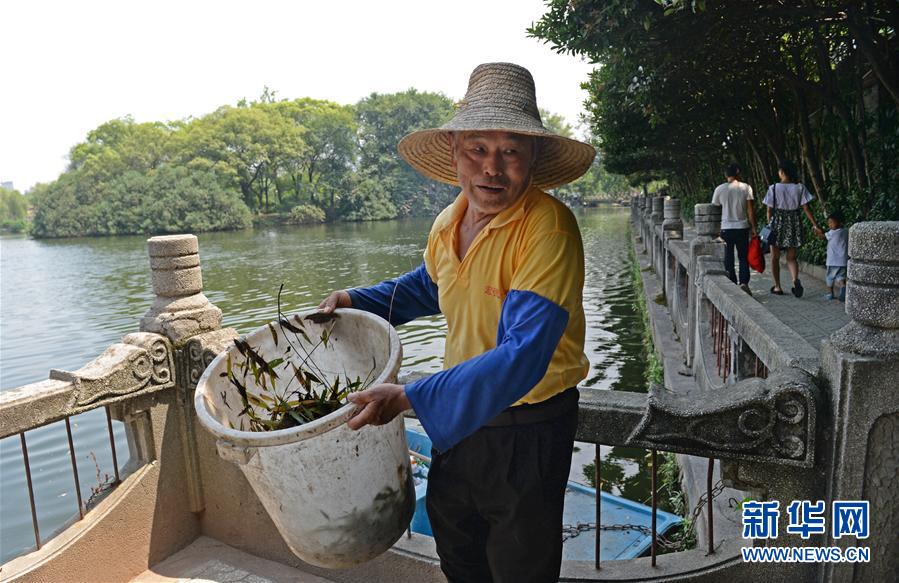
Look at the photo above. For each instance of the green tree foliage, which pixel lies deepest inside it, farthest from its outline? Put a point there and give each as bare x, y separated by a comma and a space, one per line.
369, 198
323, 171
682, 88
13, 210
383, 121
167, 199
308, 159
256, 142
556, 123
597, 184
256, 157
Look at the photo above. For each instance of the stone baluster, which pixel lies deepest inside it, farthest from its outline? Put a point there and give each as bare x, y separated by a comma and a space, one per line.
180, 310
647, 224
658, 206
658, 252
861, 364
705, 258
672, 225
707, 218
183, 313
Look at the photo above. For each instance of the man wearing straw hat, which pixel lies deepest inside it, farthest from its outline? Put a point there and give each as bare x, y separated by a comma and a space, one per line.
505, 265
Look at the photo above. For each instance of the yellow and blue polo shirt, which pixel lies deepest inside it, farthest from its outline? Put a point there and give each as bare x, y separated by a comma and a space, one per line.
513, 307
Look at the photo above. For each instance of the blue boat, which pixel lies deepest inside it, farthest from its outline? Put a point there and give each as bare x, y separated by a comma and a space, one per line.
626, 524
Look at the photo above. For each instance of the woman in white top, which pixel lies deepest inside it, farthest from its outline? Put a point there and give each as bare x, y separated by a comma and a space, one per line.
784, 199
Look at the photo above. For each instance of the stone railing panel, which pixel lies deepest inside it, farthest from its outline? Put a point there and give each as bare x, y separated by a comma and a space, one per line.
142, 363
770, 420
777, 345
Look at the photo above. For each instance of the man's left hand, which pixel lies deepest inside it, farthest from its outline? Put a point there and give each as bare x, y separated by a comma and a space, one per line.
378, 405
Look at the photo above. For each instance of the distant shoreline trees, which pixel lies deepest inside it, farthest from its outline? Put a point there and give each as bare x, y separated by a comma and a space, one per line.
302, 160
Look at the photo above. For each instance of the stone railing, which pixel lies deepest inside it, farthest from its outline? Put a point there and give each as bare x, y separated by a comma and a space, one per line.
841, 437
153, 508
811, 427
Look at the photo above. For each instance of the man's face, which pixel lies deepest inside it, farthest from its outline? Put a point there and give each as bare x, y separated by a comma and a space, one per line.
494, 168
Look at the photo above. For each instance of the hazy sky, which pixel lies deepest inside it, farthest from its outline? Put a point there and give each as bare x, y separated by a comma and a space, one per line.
66, 67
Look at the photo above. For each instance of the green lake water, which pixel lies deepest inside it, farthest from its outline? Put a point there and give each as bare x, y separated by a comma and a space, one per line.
62, 302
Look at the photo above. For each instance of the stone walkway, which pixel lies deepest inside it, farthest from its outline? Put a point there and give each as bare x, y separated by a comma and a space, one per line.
207, 560
811, 316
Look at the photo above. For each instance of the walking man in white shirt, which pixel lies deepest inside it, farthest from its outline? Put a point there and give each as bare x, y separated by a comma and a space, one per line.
737, 223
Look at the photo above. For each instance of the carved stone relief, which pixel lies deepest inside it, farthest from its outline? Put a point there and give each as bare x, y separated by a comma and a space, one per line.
771, 421
141, 363
200, 351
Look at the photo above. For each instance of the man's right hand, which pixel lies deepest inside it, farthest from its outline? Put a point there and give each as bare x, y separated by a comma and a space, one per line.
337, 299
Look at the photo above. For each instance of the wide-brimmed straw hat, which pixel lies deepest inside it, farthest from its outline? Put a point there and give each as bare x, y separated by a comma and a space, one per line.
500, 97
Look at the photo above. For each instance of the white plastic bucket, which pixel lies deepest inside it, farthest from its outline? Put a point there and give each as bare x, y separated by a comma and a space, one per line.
338, 497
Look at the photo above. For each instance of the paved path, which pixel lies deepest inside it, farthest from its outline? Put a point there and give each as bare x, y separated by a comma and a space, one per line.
207, 560
811, 316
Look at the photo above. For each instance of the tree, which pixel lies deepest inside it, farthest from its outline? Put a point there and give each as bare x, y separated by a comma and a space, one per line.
13, 210
681, 88
256, 141
384, 119
322, 171
167, 199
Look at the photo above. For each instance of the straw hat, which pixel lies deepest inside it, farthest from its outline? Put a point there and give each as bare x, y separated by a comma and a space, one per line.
500, 97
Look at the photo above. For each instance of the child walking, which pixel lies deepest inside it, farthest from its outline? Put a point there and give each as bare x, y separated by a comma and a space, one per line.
837, 253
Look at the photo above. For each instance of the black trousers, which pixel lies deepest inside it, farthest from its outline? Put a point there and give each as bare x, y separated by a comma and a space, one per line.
495, 502
738, 238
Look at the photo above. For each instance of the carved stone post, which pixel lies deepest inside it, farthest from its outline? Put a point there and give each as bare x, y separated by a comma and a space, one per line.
861, 363
647, 223
180, 310
672, 226
706, 257
707, 218
193, 324
656, 219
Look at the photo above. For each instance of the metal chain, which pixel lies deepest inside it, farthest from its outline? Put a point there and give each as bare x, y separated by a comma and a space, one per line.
570, 531
703, 500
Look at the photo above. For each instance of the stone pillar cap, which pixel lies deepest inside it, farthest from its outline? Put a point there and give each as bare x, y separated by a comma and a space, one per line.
874, 241
172, 245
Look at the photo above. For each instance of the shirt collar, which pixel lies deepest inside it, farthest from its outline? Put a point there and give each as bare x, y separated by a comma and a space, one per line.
509, 215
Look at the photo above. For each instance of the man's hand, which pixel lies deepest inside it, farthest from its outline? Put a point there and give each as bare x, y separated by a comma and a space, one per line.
378, 405
337, 299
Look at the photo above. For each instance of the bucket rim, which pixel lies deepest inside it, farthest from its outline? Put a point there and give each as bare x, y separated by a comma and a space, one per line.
300, 432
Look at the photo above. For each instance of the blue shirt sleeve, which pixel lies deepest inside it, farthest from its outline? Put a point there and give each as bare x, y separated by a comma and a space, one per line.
400, 300
456, 402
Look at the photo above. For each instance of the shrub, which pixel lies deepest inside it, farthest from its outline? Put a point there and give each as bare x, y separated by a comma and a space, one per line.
306, 214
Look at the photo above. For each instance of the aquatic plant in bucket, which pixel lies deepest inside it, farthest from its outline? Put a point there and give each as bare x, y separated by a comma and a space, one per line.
309, 392
275, 401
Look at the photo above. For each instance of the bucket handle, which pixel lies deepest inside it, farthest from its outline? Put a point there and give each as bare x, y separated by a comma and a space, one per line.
236, 454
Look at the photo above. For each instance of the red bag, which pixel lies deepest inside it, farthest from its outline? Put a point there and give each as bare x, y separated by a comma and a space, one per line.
756, 257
